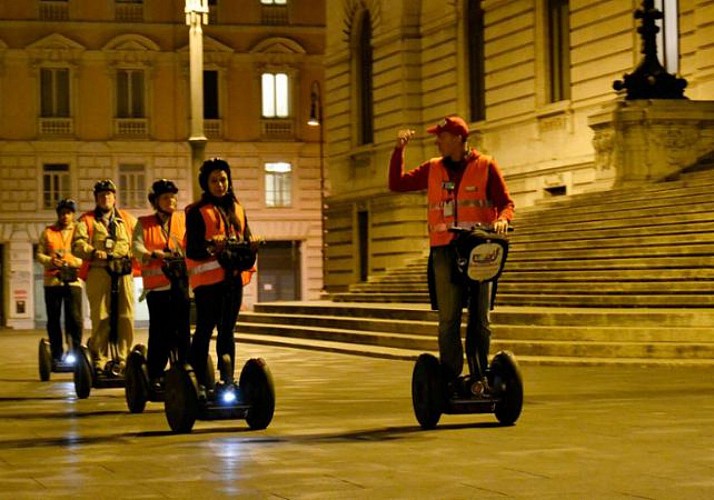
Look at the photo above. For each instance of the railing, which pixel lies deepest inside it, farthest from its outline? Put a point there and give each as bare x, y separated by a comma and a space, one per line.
274, 14
54, 10
213, 128
56, 126
277, 128
131, 127
129, 12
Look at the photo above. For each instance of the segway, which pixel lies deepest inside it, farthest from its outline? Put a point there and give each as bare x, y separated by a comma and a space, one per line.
137, 390
251, 398
498, 388
86, 376
67, 364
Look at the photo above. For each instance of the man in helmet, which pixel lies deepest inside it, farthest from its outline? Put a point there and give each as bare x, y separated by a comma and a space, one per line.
103, 235
62, 285
159, 247
212, 224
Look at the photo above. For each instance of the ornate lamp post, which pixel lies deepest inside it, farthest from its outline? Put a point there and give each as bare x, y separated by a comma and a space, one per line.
196, 15
316, 120
650, 80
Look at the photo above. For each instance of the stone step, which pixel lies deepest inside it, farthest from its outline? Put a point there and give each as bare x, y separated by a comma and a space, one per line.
412, 355
554, 300
502, 315
562, 331
543, 348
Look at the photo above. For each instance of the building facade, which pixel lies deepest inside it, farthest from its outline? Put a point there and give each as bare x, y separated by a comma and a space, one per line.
92, 90
527, 75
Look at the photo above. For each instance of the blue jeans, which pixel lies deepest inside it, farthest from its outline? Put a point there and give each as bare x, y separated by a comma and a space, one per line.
451, 295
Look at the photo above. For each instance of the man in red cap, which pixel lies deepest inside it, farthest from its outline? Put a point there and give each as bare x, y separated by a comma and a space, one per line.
464, 188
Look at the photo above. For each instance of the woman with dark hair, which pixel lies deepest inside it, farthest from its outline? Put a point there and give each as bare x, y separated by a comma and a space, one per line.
215, 226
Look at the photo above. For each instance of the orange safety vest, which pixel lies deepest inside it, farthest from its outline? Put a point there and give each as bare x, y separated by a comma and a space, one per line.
56, 243
466, 208
209, 271
88, 219
156, 239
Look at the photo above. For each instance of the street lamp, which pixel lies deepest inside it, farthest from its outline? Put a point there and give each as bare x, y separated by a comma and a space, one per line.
196, 15
317, 120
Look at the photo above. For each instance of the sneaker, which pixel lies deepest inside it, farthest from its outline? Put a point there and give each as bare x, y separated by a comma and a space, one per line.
156, 385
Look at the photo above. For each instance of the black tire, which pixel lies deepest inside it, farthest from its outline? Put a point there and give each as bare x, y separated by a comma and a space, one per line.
44, 356
136, 388
428, 391
83, 373
181, 400
508, 387
256, 384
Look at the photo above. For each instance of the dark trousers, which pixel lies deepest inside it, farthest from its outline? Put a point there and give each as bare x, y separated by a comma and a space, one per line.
169, 328
71, 296
217, 306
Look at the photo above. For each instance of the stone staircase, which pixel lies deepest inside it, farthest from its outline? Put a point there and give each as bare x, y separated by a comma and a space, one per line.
623, 276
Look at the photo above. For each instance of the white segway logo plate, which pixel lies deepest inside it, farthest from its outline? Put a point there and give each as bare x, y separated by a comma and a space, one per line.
485, 262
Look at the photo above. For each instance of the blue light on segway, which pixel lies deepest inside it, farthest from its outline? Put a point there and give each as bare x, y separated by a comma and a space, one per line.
70, 359
229, 396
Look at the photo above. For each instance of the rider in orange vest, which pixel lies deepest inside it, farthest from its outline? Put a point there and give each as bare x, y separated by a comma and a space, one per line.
214, 224
158, 244
464, 188
100, 234
54, 252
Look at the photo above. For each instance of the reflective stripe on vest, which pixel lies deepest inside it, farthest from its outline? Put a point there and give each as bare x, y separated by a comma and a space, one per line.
209, 271
155, 239
467, 208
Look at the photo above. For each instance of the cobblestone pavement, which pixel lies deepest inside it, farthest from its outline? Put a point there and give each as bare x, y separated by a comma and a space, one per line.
344, 428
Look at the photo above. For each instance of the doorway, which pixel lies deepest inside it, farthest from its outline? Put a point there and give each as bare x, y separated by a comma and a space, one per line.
279, 271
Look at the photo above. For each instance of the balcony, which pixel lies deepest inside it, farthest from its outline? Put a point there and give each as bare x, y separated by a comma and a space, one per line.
56, 126
51, 10
213, 128
129, 12
131, 128
277, 129
274, 14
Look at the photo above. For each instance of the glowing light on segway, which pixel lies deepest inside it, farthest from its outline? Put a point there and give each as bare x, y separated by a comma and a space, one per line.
70, 359
229, 396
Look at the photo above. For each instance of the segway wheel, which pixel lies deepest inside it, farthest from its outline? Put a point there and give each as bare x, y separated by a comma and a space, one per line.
256, 384
136, 388
428, 391
83, 374
44, 356
508, 385
181, 400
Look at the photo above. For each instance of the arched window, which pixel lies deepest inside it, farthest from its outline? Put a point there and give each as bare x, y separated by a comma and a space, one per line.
364, 80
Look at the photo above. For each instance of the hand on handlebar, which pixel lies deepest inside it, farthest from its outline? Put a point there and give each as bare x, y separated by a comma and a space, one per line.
500, 226
101, 255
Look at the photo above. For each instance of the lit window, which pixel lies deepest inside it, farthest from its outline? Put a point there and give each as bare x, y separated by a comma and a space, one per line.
54, 91
132, 186
274, 2
275, 95
278, 184
55, 184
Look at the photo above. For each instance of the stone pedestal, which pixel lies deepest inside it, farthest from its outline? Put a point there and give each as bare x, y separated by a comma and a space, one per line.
645, 140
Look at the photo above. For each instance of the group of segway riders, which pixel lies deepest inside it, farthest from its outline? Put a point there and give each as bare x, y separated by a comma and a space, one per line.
209, 251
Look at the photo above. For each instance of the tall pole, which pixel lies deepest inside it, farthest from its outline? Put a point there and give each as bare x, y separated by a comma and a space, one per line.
317, 120
196, 15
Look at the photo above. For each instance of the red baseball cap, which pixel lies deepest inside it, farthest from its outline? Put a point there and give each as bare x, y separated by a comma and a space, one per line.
453, 124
